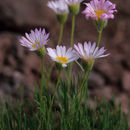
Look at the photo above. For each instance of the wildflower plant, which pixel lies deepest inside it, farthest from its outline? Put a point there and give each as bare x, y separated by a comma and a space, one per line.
100, 11
62, 109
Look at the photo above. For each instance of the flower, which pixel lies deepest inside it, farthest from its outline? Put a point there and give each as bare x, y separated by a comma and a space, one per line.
89, 52
100, 10
59, 7
73, 2
61, 55
37, 39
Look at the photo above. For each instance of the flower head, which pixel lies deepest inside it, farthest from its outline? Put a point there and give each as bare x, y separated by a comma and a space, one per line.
61, 55
100, 10
73, 2
37, 39
59, 7
89, 52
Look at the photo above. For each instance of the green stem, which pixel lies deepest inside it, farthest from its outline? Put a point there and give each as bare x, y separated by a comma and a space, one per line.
84, 84
49, 72
79, 65
72, 30
42, 78
51, 103
99, 37
69, 72
84, 78
61, 33
71, 44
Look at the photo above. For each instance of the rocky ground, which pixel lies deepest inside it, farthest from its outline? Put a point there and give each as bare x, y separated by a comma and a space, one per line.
20, 67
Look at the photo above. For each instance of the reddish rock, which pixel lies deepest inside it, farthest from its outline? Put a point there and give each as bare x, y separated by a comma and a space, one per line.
7, 70
21, 13
106, 91
126, 81
96, 80
124, 100
123, 7
110, 68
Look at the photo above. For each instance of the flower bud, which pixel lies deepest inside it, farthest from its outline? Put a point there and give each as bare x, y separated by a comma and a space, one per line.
74, 9
100, 24
41, 52
87, 65
61, 18
59, 66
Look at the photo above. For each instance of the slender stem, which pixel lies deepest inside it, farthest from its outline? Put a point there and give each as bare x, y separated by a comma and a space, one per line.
51, 103
71, 44
50, 71
42, 84
84, 84
69, 72
61, 33
72, 30
79, 65
42, 78
99, 37
84, 78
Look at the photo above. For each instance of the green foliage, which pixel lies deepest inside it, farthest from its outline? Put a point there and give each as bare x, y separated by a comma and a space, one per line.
64, 115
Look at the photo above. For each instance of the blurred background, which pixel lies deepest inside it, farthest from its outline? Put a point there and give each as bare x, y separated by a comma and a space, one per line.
20, 68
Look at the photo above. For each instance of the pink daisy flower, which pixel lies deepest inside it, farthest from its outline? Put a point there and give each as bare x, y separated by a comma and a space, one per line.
100, 10
35, 40
89, 52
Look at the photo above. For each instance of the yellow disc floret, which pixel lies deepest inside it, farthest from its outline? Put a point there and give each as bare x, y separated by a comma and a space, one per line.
99, 12
36, 43
62, 59
88, 59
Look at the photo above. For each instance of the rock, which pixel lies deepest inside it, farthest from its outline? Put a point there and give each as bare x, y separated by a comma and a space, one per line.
105, 91
12, 61
119, 35
126, 81
25, 13
4, 97
95, 80
124, 100
7, 71
32, 61
5, 44
91, 103
6, 88
123, 7
109, 68
18, 79
17, 66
